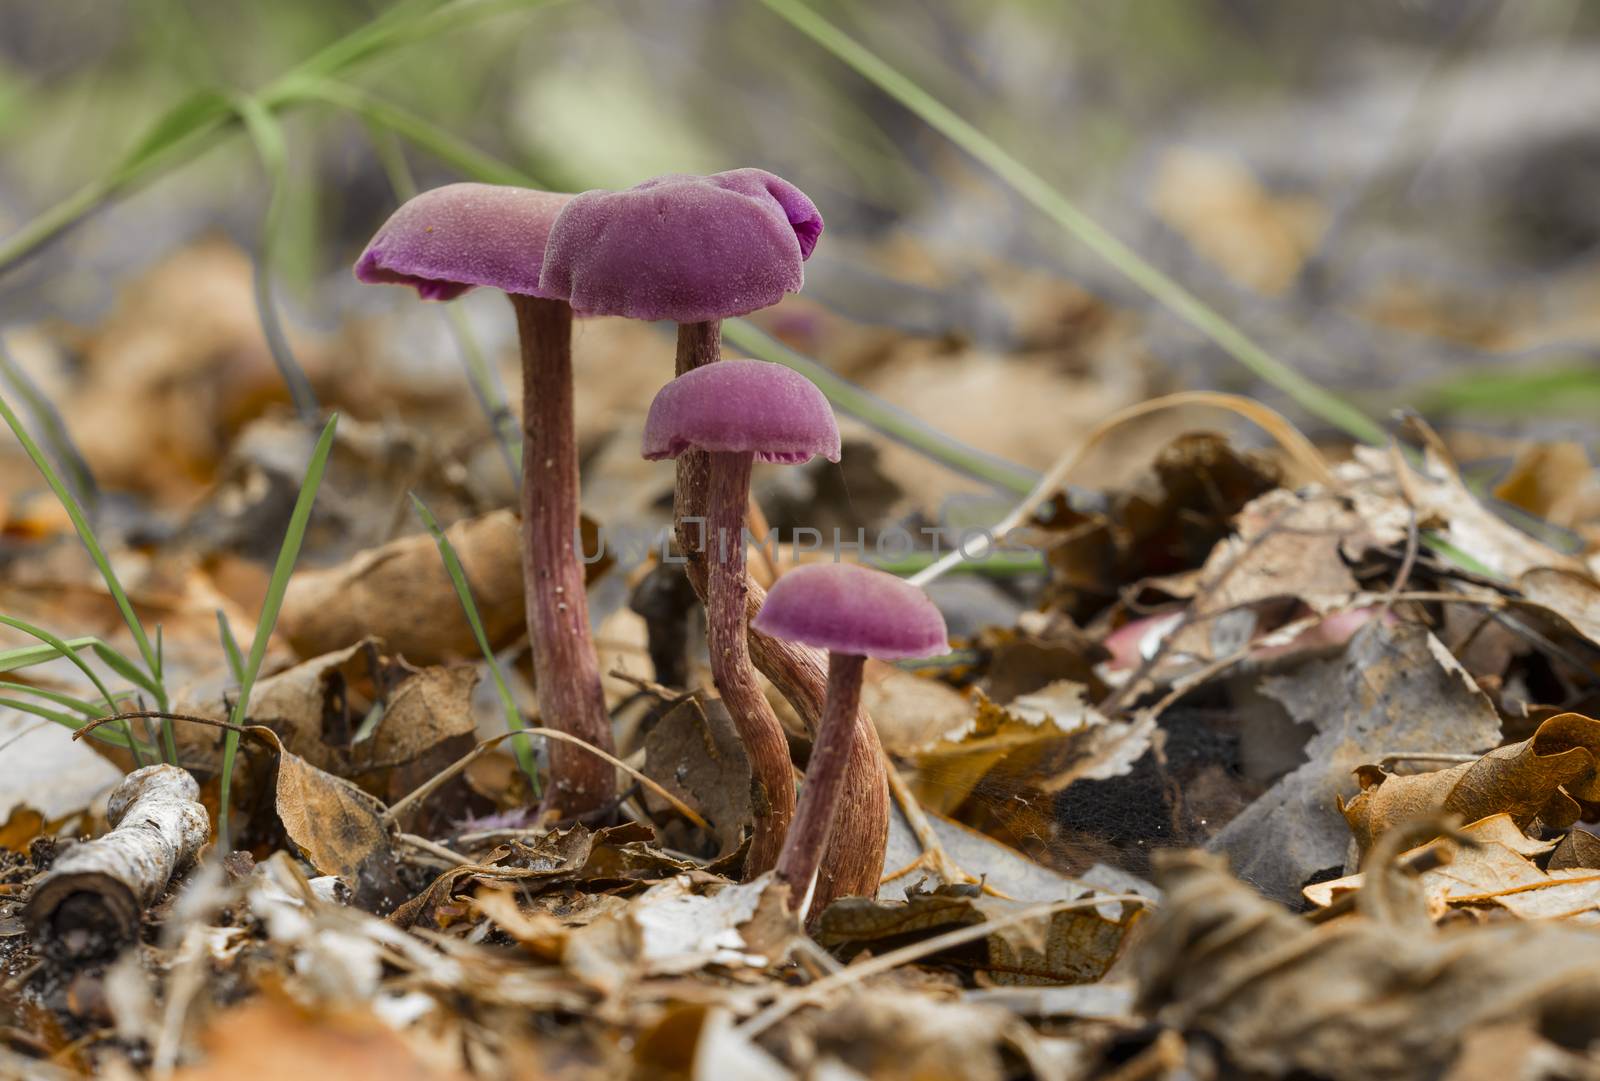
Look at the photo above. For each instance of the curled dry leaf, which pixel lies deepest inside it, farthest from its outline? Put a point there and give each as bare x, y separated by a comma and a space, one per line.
1497, 870
1537, 779
1394, 686
1356, 1000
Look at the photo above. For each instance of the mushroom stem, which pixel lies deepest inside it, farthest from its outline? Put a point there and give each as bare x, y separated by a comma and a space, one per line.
826, 776
772, 793
566, 671
855, 851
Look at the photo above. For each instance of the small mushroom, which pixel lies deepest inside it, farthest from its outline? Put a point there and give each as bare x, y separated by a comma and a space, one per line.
854, 612
738, 413
443, 243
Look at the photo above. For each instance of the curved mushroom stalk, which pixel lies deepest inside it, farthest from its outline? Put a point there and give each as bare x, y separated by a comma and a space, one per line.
737, 412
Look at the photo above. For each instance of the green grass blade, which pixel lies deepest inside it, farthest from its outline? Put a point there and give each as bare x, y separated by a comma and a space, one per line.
86, 534
28, 656
1034, 188
79, 478
230, 646
65, 650
177, 135
458, 579
288, 553
441, 143
124, 667
88, 709
272, 148
104, 733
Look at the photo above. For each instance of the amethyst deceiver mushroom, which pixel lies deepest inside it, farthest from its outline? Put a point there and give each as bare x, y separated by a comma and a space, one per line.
738, 413
443, 243
853, 612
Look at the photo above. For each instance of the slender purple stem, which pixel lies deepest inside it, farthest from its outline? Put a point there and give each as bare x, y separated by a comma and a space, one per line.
566, 671
825, 776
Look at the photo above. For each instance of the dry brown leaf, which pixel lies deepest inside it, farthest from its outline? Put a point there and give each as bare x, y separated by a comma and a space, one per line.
1579, 849
272, 1038
695, 753
1077, 946
1548, 480
400, 593
1053, 736
1537, 778
20, 828
338, 828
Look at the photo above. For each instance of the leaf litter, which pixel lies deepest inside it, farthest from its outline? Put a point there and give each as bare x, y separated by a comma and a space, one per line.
1284, 769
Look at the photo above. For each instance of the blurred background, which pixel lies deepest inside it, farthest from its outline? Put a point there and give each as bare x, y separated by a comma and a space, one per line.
1396, 201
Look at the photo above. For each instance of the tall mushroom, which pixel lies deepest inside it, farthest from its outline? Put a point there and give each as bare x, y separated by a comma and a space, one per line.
854, 612
697, 250
739, 413
443, 243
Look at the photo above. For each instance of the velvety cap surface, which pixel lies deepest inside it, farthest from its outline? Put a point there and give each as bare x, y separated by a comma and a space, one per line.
448, 240
685, 248
853, 609
771, 411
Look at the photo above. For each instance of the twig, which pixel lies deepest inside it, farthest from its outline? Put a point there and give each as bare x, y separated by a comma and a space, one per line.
433, 848
788, 1003
1426, 756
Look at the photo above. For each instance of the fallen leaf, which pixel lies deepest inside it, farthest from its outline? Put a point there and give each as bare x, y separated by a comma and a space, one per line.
271, 1037
1537, 778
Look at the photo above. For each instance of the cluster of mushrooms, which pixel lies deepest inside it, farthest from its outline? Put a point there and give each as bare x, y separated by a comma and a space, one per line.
694, 250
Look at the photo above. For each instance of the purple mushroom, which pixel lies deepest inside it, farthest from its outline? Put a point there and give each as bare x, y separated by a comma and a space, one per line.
853, 612
738, 413
443, 243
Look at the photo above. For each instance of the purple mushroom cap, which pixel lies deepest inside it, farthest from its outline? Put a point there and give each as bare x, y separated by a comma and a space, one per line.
685, 248
849, 608
768, 410
448, 240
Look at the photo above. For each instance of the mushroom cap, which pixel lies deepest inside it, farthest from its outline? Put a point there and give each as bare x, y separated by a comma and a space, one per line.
765, 409
448, 240
848, 608
685, 248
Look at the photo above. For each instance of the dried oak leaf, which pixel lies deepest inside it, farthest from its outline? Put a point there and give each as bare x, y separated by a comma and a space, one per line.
1394, 686
1535, 779
1578, 849
1077, 946
1052, 736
